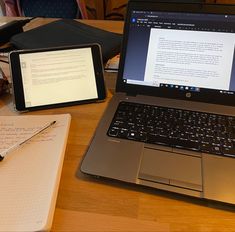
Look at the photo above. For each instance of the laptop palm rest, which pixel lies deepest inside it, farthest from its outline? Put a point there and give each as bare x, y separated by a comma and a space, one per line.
171, 168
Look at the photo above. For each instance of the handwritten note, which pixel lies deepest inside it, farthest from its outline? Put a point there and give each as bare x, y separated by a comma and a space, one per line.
29, 175
13, 132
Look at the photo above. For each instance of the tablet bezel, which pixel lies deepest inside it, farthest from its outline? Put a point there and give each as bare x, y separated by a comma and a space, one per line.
17, 84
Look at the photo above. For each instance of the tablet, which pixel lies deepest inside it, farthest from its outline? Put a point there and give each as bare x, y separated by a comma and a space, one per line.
56, 77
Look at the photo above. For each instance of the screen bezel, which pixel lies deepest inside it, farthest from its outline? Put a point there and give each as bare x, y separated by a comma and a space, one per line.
133, 89
18, 92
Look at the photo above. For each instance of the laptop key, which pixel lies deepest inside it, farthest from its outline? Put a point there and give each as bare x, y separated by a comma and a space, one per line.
184, 129
157, 139
216, 150
229, 151
206, 147
123, 133
141, 136
113, 132
187, 144
132, 135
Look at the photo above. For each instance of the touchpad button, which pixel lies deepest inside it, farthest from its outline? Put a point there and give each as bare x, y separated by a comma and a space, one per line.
171, 168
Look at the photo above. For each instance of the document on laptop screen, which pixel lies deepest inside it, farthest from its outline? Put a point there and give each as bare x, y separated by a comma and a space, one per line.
192, 58
58, 76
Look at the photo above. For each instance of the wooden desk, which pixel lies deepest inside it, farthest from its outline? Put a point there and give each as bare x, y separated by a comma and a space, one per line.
88, 204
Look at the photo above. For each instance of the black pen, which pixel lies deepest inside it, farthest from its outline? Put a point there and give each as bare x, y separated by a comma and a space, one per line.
15, 146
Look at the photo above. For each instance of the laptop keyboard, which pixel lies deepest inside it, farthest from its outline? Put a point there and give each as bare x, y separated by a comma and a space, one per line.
192, 130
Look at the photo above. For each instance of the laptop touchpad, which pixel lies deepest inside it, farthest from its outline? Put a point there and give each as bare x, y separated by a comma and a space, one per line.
171, 168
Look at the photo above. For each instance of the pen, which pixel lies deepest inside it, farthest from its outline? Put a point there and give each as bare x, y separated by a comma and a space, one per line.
13, 147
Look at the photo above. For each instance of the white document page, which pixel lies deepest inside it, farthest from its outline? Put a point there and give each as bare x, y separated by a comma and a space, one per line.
190, 58
58, 76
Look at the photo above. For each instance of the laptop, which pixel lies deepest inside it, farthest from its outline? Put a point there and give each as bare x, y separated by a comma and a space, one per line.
171, 122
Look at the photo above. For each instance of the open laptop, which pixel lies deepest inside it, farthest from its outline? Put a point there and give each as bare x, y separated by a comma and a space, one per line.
170, 125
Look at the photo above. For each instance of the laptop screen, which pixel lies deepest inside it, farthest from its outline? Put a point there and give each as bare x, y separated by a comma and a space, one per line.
182, 53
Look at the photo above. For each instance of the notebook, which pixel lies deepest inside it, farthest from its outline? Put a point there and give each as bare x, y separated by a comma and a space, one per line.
170, 124
30, 173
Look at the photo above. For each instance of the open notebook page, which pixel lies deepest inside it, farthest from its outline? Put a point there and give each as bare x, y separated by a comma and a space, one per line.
30, 174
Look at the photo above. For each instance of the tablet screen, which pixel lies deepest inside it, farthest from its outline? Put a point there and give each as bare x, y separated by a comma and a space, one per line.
58, 76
